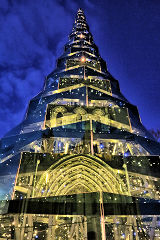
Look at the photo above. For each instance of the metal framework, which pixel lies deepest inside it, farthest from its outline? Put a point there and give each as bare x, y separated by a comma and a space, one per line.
81, 165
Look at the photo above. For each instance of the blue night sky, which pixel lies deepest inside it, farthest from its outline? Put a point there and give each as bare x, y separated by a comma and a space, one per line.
33, 33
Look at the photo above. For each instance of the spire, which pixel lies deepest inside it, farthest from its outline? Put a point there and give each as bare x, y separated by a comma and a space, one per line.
80, 54
80, 23
80, 28
80, 36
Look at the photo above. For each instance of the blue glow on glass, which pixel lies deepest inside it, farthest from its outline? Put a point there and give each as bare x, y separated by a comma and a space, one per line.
101, 145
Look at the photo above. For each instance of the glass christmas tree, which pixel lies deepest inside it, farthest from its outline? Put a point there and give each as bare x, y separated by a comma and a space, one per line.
81, 165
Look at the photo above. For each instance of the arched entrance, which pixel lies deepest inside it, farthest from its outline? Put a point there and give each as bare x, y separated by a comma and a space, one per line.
78, 174
75, 174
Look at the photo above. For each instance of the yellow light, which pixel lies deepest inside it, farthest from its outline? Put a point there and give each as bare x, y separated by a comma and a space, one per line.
46, 178
66, 148
83, 59
81, 36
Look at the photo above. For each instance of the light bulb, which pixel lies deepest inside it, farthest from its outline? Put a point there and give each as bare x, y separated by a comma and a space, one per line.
83, 59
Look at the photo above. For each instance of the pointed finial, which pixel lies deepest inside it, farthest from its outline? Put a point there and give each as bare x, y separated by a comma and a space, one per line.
80, 10
80, 22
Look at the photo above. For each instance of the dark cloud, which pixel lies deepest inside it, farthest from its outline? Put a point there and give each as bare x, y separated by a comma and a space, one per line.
33, 33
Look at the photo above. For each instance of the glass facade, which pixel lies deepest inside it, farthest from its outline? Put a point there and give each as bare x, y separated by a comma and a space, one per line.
81, 165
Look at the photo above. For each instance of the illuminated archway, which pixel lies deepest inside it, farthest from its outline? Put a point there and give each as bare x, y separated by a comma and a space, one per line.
57, 110
77, 174
80, 110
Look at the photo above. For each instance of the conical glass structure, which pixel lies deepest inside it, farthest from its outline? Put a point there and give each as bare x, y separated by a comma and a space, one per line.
81, 165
